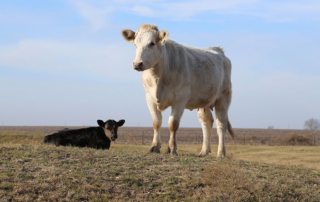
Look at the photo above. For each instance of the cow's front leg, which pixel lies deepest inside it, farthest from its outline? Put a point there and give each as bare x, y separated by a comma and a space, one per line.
157, 121
206, 120
174, 121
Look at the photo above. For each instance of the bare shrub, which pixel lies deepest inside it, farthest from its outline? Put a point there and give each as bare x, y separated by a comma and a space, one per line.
253, 140
244, 140
142, 139
263, 141
304, 139
270, 127
235, 136
293, 139
273, 141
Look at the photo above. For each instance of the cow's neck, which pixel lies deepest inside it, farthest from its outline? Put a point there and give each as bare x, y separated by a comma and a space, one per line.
158, 70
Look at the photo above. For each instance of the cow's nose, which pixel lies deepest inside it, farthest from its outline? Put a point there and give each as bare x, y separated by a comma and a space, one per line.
114, 137
137, 65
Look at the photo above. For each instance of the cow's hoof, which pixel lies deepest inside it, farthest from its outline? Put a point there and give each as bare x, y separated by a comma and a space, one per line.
220, 155
203, 153
171, 152
154, 149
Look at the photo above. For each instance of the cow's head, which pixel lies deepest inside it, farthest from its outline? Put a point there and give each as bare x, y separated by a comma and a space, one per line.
149, 42
111, 127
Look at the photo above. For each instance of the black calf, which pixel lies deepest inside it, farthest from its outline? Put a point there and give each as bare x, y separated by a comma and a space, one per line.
95, 137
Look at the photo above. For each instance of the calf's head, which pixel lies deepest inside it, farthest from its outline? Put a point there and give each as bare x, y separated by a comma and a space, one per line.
149, 44
111, 127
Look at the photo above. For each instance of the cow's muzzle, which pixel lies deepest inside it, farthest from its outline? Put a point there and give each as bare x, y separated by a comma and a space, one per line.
114, 137
137, 66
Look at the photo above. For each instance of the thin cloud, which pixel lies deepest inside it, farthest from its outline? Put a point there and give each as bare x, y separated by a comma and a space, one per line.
97, 12
53, 56
274, 11
144, 11
96, 16
184, 10
279, 11
189, 9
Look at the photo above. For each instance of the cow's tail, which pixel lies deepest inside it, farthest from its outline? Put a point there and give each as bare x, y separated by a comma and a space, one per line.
230, 130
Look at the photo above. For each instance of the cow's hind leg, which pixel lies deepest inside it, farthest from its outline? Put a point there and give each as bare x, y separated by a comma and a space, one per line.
221, 109
206, 120
157, 121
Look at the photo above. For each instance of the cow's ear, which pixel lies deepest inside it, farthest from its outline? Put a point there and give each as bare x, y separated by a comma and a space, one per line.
128, 35
100, 123
121, 122
163, 35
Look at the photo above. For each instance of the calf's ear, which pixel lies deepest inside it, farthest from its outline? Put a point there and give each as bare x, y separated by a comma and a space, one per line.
128, 35
121, 122
163, 35
100, 123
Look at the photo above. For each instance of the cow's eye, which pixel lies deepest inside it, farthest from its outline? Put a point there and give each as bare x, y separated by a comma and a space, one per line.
151, 44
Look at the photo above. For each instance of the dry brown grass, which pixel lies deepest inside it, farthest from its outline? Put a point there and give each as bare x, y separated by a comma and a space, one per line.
227, 180
21, 137
32, 171
302, 156
37, 172
231, 180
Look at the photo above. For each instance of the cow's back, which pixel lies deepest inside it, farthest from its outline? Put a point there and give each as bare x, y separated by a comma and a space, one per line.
206, 70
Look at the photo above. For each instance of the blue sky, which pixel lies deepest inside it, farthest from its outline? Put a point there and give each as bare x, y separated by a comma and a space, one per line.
64, 62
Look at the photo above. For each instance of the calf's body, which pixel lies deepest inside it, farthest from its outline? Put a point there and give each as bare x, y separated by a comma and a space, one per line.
87, 137
94, 137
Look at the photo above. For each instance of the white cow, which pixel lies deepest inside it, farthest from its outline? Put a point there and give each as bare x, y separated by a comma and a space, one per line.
182, 77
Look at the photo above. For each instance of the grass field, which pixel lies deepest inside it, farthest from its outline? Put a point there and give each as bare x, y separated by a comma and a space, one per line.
302, 156
32, 171
144, 135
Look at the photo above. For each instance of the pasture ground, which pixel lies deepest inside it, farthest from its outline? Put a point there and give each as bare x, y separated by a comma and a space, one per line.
32, 171
144, 135
302, 156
